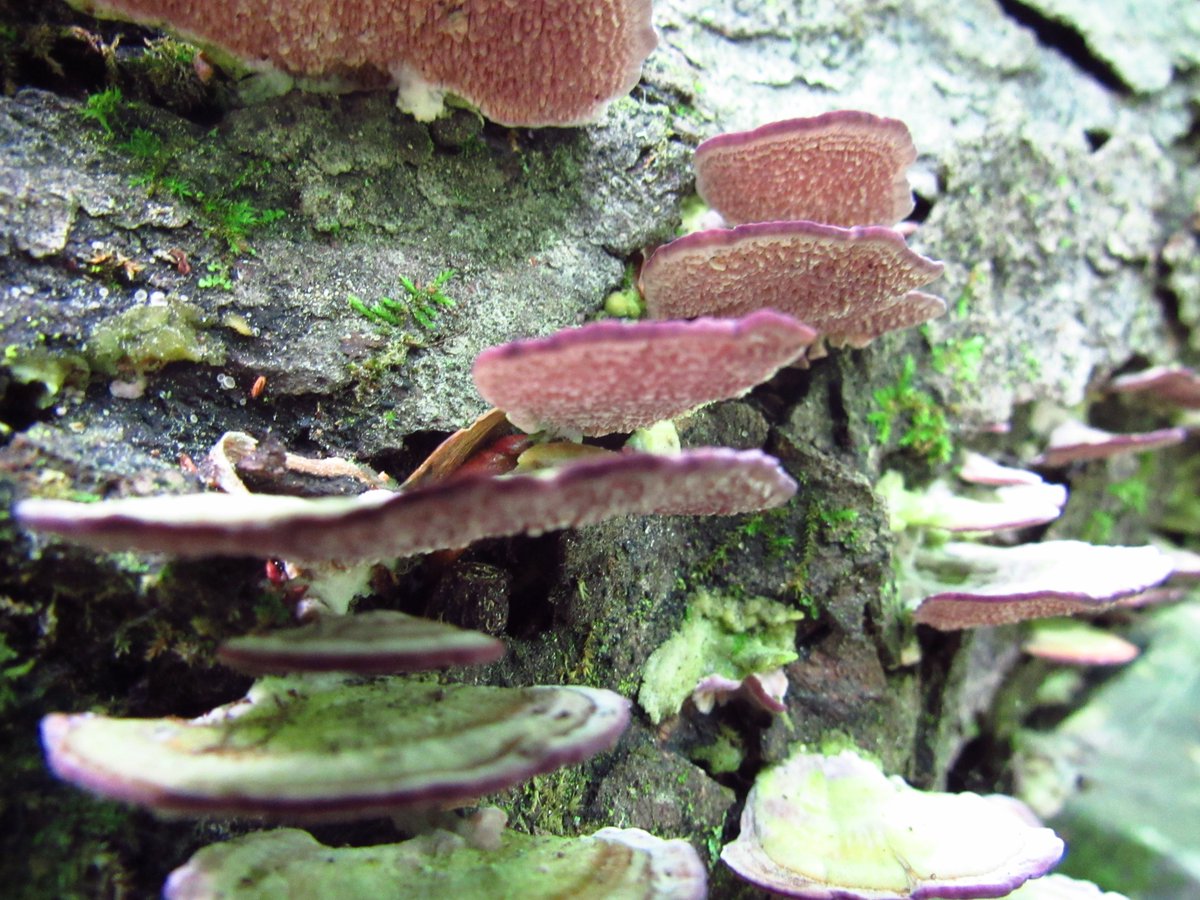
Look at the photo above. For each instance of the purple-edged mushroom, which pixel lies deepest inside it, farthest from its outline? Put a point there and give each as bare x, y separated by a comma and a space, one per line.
615, 376
1174, 385
837, 828
765, 690
614, 862
377, 643
1002, 508
841, 168
979, 469
556, 62
1076, 643
450, 514
850, 284
975, 584
1075, 442
324, 748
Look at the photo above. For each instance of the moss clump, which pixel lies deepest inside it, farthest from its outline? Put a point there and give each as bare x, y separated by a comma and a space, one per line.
719, 635
722, 756
50, 371
145, 338
914, 414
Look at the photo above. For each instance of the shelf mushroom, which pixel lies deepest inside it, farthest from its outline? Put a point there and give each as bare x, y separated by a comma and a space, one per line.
826, 827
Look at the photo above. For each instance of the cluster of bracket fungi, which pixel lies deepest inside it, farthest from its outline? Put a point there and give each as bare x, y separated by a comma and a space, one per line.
803, 253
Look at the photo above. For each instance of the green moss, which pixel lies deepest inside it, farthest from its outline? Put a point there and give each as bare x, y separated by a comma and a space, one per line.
420, 306
552, 803
960, 358
52, 370
719, 635
102, 108
914, 414
144, 338
722, 756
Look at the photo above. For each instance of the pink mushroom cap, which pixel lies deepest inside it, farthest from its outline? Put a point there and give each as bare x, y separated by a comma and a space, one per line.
616, 376
850, 284
841, 168
554, 62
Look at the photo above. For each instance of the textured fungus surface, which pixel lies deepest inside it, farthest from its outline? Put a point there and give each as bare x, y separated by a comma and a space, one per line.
999, 585
841, 168
826, 827
377, 642
383, 524
850, 284
614, 862
321, 748
550, 62
616, 376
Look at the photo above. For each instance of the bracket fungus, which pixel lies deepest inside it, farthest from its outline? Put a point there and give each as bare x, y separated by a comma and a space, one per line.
613, 376
1071, 642
444, 515
826, 827
849, 284
553, 62
1075, 442
978, 584
326, 748
286, 862
377, 642
1004, 507
844, 167
1174, 385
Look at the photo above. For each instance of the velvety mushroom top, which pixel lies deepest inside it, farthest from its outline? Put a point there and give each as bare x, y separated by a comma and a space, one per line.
616, 376
535, 63
842, 168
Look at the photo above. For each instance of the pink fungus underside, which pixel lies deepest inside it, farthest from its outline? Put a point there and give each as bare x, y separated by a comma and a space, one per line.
841, 168
1174, 385
543, 62
850, 284
1075, 442
441, 516
615, 376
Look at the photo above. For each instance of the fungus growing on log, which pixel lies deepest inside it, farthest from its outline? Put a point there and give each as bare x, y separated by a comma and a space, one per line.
850, 284
983, 585
1075, 442
322, 748
377, 642
1061, 887
614, 376
979, 469
439, 516
554, 62
841, 168
613, 862
1075, 643
1174, 385
827, 827
1005, 507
